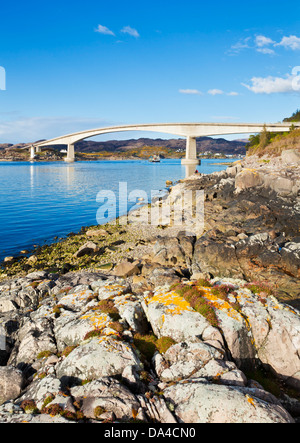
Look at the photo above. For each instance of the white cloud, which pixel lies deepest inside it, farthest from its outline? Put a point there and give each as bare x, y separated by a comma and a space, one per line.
262, 41
104, 30
130, 31
291, 42
239, 46
265, 45
233, 94
190, 91
266, 51
272, 85
215, 92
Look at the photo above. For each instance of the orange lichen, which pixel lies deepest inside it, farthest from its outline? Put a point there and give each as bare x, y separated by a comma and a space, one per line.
220, 304
175, 303
250, 400
98, 321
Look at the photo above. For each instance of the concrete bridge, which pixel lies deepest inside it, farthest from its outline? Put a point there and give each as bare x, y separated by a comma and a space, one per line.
189, 130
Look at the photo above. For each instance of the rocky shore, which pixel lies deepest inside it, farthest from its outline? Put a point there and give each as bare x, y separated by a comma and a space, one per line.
141, 323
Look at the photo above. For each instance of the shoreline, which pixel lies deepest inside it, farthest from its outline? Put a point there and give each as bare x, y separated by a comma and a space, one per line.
110, 252
113, 159
107, 310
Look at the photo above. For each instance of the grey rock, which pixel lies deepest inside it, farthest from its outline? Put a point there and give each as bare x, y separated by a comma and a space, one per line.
11, 383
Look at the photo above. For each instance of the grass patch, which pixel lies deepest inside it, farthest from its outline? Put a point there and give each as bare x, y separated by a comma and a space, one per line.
149, 344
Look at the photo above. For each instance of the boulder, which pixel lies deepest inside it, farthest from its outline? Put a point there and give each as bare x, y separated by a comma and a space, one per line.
96, 358
281, 349
76, 301
38, 275
169, 314
70, 331
7, 304
87, 249
131, 310
96, 233
108, 394
173, 251
248, 178
184, 360
11, 383
290, 156
127, 269
200, 402
42, 389
34, 337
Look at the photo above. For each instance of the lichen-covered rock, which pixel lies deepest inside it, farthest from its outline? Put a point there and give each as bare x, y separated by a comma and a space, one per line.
171, 316
108, 394
274, 331
42, 389
70, 331
76, 300
200, 402
98, 357
185, 359
35, 336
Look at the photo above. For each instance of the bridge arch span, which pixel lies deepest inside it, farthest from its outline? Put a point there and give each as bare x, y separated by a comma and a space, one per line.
189, 130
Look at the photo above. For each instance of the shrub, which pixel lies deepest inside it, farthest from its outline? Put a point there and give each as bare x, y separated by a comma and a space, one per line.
116, 326
204, 283
108, 307
67, 351
29, 407
92, 334
44, 354
57, 310
48, 400
53, 410
257, 288
194, 295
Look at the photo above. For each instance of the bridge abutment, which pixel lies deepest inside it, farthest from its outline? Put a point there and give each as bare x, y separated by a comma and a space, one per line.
191, 153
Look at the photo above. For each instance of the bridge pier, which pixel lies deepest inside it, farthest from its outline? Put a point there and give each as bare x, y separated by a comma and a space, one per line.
32, 153
191, 153
71, 154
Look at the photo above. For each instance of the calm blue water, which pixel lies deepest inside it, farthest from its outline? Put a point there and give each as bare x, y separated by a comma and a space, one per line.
39, 201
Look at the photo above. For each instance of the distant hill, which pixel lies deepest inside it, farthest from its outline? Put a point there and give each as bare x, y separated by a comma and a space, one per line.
204, 144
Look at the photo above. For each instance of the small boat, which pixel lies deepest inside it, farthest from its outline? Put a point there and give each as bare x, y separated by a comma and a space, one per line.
154, 159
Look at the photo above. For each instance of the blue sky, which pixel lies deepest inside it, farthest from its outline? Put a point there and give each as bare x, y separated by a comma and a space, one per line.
77, 65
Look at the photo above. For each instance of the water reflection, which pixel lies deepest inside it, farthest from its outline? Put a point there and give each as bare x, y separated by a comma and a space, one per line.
70, 176
31, 169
